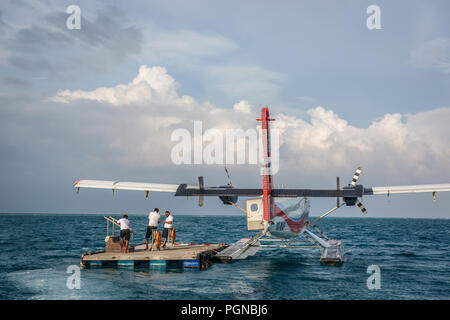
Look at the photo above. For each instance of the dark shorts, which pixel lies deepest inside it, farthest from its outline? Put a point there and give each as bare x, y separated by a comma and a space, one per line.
166, 232
149, 232
125, 234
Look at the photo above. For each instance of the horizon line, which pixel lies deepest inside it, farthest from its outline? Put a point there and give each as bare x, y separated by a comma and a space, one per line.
208, 215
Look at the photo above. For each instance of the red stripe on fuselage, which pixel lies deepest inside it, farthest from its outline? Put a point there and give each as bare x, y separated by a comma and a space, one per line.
295, 226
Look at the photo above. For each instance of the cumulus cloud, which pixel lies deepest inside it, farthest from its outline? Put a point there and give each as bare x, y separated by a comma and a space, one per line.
148, 109
149, 86
242, 106
145, 111
394, 144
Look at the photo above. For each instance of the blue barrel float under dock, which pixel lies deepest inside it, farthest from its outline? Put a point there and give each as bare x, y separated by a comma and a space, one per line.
187, 255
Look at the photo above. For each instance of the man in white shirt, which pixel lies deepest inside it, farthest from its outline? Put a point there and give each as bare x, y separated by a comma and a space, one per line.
153, 220
168, 225
125, 229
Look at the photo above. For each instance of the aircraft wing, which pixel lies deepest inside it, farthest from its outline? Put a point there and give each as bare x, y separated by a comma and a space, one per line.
184, 190
347, 192
127, 185
189, 191
407, 189
192, 191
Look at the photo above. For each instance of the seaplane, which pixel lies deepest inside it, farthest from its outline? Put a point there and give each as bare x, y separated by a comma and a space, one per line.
280, 215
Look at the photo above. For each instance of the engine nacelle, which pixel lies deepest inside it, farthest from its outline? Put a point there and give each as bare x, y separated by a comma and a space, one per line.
228, 200
351, 201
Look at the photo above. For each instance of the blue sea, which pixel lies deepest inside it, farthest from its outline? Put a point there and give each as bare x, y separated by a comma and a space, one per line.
413, 256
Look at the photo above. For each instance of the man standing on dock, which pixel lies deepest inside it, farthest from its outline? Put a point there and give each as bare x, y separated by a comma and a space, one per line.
124, 232
168, 225
153, 220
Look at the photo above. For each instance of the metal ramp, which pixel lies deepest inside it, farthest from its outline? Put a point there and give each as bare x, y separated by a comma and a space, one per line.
331, 248
240, 250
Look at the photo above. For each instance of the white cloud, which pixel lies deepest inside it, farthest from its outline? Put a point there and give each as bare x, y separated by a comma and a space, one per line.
408, 146
433, 54
150, 85
242, 106
395, 145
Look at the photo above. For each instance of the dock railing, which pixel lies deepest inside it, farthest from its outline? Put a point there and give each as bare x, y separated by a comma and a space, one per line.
114, 223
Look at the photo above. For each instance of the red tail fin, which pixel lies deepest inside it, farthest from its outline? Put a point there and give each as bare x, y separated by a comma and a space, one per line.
268, 202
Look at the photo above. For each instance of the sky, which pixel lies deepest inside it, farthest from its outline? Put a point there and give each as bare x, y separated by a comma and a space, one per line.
102, 101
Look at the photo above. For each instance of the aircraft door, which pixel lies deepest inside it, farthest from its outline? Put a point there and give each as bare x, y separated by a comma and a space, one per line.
255, 214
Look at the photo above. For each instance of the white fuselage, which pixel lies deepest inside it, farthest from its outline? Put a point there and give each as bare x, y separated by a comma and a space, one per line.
290, 217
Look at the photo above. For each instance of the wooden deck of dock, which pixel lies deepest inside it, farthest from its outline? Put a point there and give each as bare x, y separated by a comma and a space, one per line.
190, 254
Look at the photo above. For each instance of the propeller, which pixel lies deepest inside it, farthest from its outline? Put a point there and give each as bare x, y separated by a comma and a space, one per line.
228, 175
356, 177
361, 207
225, 199
201, 187
338, 199
353, 201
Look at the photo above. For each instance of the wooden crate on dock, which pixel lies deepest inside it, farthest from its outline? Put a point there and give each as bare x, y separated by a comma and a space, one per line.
112, 244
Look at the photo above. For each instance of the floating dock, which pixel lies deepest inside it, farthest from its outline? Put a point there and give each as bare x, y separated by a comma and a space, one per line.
188, 255
195, 255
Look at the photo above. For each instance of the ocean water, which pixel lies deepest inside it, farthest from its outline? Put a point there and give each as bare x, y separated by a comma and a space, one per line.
413, 256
